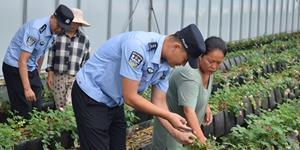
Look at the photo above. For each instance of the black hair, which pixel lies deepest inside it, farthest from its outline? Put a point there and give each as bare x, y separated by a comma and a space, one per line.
176, 37
214, 42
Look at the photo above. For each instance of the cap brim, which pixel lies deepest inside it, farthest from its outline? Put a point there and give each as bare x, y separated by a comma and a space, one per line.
82, 22
193, 62
64, 26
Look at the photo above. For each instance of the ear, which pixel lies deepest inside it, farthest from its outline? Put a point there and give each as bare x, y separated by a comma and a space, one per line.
177, 45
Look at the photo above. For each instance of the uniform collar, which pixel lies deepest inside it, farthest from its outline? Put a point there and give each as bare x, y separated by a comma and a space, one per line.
48, 29
156, 59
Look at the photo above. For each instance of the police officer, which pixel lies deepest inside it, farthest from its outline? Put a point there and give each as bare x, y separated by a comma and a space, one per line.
24, 57
121, 68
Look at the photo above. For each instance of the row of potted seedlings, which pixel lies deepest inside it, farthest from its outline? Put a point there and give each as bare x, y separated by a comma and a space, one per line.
235, 58
235, 103
260, 41
255, 67
278, 129
44, 130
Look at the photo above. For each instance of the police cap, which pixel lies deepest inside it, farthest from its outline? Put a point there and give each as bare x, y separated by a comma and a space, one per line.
193, 42
64, 17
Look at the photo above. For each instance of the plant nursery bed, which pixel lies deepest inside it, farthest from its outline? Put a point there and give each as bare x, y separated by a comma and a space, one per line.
139, 139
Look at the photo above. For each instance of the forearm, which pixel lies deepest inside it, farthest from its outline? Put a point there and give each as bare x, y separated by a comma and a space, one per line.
24, 75
193, 122
166, 124
138, 102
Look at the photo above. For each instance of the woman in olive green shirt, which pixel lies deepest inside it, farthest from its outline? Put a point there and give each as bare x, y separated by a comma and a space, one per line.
188, 94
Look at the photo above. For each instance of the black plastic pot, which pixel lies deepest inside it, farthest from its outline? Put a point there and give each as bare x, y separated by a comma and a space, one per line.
270, 68
248, 106
66, 139
222, 67
243, 58
232, 62
240, 119
219, 124
265, 69
278, 96
35, 144
48, 105
265, 103
256, 74
237, 60
257, 109
292, 95
227, 64
208, 130
216, 87
297, 92
3, 117
285, 94
22, 145
240, 79
272, 102
229, 121
279, 66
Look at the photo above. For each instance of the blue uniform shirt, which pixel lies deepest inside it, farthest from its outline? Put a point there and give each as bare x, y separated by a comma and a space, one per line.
34, 37
134, 55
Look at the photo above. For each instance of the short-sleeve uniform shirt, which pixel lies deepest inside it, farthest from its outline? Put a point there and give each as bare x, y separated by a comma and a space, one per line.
34, 37
133, 55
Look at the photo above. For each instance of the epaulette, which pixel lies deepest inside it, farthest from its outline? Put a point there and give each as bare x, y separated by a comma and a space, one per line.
42, 29
152, 45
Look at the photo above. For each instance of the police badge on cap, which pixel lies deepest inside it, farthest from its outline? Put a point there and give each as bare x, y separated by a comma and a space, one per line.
64, 17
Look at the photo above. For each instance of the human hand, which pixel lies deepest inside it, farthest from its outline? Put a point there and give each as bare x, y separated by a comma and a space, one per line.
178, 122
184, 138
208, 118
50, 80
29, 95
202, 140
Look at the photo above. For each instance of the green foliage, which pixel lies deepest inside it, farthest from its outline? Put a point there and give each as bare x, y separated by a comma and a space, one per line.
8, 137
48, 95
209, 145
267, 130
147, 94
231, 97
260, 41
130, 117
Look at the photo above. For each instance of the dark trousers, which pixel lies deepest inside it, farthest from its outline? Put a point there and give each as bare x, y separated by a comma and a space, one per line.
15, 90
99, 126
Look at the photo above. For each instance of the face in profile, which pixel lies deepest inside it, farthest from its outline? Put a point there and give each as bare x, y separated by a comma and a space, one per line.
74, 26
178, 56
55, 28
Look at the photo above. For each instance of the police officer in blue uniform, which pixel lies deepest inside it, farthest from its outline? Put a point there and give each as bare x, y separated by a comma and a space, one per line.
24, 57
121, 68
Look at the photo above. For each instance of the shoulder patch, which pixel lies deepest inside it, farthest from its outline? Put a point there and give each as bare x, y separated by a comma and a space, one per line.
135, 59
42, 29
30, 40
152, 45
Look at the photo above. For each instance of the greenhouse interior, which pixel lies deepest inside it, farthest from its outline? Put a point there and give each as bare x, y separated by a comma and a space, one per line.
150, 74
